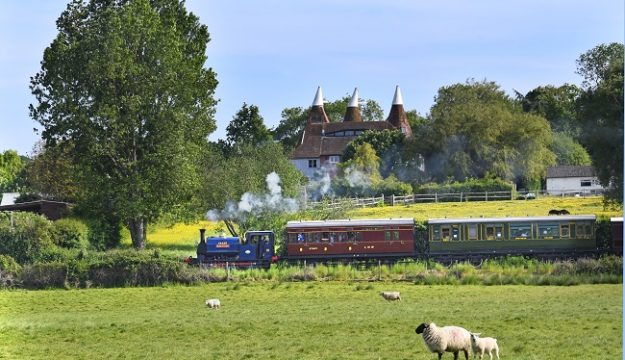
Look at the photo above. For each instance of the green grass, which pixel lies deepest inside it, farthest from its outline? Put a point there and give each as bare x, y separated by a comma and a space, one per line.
312, 320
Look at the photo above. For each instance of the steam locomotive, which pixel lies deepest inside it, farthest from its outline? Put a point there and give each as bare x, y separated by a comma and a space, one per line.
443, 240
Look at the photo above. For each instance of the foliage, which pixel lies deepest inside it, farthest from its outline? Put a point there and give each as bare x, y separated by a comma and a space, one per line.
569, 151
70, 233
477, 131
10, 166
124, 82
52, 172
470, 185
556, 104
23, 235
8, 264
104, 233
600, 109
392, 186
247, 127
386, 143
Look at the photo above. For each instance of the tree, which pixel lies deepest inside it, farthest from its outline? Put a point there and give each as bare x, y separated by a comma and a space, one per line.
569, 151
477, 131
556, 104
52, 173
387, 144
247, 127
11, 164
233, 182
125, 82
600, 108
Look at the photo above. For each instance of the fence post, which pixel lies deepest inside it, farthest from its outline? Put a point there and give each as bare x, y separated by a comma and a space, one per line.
461, 196
435, 197
227, 272
379, 270
393, 200
486, 195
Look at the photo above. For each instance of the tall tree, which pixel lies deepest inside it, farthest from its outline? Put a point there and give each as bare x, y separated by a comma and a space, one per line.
556, 104
568, 151
125, 82
247, 127
52, 173
476, 130
600, 109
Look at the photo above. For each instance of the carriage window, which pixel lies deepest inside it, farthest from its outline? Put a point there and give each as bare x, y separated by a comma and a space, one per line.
325, 236
342, 237
548, 231
588, 230
564, 230
387, 235
332, 237
472, 232
316, 237
353, 236
436, 233
455, 233
445, 233
520, 231
395, 235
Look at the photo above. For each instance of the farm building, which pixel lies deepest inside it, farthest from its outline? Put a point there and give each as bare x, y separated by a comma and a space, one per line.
323, 142
562, 180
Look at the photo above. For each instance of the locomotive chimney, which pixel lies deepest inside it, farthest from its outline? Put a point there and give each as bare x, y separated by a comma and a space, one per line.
202, 238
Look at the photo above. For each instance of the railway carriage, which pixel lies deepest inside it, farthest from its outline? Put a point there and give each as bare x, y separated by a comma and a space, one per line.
546, 236
366, 238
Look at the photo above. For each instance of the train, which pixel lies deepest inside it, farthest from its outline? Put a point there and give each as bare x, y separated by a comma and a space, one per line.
442, 240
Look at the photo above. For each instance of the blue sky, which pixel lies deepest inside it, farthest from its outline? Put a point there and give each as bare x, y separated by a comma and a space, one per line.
274, 53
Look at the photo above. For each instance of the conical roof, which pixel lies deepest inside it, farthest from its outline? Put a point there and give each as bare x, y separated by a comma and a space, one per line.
397, 116
317, 114
352, 113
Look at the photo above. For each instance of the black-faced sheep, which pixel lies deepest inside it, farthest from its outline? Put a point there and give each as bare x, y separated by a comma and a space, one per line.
481, 345
391, 295
446, 339
213, 303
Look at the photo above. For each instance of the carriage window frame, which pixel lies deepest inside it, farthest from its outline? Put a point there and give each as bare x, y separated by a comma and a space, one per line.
446, 229
472, 232
396, 235
497, 231
565, 231
387, 235
518, 230
553, 228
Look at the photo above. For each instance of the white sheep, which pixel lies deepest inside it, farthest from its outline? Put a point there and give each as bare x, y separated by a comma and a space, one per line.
391, 295
213, 303
481, 345
446, 339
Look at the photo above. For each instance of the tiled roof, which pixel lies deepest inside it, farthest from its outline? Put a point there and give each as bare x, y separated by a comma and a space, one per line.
570, 171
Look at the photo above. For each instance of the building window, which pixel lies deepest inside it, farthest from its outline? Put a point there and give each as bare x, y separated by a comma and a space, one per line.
586, 183
334, 159
312, 163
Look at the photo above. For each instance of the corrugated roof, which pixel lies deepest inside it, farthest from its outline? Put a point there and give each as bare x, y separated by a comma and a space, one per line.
570, 171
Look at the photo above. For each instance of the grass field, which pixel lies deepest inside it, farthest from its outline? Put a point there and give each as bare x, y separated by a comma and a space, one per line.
182, 238
313, 320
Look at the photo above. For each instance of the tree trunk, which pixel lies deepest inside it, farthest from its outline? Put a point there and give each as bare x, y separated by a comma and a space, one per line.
137, 228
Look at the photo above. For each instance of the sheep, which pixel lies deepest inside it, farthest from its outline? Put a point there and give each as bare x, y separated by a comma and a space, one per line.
480, 345
391, 295
213, 303
446, 339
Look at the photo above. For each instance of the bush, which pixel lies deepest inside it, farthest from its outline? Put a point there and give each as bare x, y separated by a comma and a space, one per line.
471, 185
23, 235
44, 275
8, 264
70, 234
392, 186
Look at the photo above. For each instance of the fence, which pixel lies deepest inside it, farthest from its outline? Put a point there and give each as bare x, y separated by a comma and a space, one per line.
394, 200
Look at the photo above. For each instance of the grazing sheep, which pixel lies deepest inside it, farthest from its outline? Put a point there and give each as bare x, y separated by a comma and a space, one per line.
480, 345
446, 339
213, 303
391, 295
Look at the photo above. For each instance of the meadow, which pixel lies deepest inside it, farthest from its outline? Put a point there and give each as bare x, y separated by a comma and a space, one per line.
307, 320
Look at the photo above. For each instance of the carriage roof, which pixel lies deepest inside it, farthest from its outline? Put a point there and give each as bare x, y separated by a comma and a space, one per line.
515, 219
349, 223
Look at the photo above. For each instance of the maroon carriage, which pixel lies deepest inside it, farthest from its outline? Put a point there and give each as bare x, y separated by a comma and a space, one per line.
344, 239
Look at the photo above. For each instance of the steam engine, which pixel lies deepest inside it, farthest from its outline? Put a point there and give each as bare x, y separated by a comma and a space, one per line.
254, 249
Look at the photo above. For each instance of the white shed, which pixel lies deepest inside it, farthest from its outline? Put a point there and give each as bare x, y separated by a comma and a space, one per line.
573, 180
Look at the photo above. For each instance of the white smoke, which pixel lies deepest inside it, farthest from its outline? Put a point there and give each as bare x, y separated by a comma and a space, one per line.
357, 178
251, 204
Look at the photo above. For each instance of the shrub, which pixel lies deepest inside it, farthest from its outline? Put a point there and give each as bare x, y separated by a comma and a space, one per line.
70, 233
8, 264
471, 185
392, 186
44, 275
23, 235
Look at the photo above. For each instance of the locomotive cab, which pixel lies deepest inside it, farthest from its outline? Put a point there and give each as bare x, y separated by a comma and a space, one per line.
255, 248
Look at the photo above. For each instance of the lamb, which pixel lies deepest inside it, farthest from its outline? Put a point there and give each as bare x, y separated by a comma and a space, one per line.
480, 345
213, 303
391, 295
446, 339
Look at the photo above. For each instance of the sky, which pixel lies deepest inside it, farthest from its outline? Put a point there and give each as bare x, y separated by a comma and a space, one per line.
275, 53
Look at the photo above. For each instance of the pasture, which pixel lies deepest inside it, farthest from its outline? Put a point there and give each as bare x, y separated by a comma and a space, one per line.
307, 320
